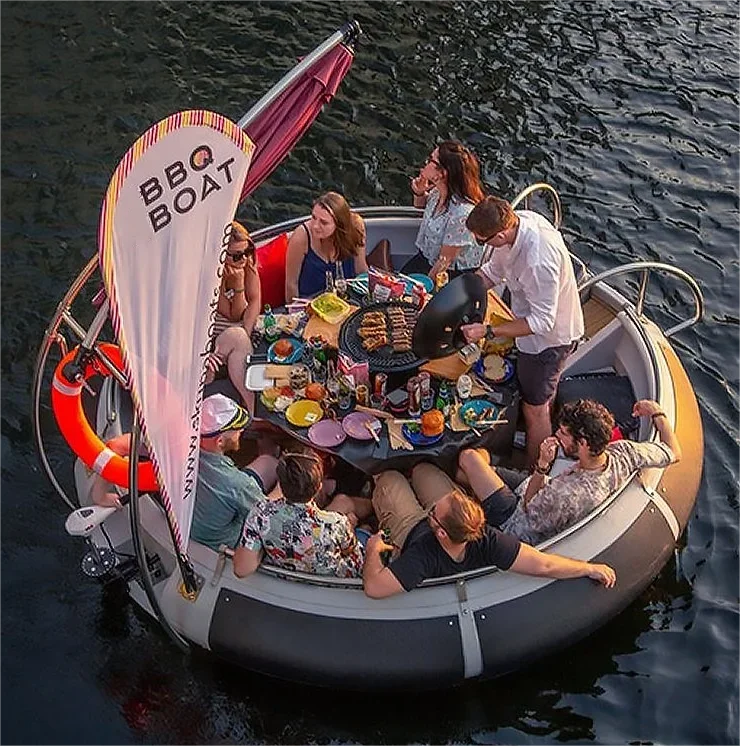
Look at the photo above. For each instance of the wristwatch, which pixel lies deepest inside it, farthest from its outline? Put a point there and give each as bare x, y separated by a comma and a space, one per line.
490, 334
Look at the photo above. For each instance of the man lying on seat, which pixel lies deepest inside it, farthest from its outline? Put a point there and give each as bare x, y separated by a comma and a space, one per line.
542, 507
224, 494
295, 533
441, 531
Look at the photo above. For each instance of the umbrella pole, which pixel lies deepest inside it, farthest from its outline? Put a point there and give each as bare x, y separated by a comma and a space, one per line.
347, 34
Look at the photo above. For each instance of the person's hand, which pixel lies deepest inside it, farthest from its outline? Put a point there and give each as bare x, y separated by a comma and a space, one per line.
420, 185
233, 276
352, 518
376, 543
110, 500
473, 332
548, 451
645, 408
604, 574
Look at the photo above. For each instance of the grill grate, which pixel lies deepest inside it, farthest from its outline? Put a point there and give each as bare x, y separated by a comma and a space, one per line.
384, 359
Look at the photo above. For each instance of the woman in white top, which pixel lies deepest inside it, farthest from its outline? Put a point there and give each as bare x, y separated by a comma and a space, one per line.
447, 187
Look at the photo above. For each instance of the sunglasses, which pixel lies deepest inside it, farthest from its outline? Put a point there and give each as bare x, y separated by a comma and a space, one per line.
484, 241
433, 516
236, 256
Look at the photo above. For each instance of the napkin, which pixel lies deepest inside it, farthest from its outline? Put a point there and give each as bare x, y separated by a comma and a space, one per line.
396, 438
456, 423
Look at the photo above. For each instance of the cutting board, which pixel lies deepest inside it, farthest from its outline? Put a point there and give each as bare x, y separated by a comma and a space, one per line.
316, 326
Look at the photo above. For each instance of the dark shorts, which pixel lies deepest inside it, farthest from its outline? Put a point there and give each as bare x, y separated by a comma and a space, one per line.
499, 506
539, 374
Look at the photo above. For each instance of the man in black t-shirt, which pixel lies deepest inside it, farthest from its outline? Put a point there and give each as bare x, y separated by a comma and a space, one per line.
449, 536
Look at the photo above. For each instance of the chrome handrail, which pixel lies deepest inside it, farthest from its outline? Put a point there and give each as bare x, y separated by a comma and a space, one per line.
52, 335
645, 268
557, 210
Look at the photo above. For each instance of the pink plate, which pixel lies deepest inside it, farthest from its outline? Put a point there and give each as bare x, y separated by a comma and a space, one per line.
327, 434
354, 425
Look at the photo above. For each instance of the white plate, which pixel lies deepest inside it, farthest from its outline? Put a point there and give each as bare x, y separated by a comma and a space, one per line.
255, 379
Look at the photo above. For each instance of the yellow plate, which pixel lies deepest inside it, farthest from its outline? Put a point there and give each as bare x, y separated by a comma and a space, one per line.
304, 413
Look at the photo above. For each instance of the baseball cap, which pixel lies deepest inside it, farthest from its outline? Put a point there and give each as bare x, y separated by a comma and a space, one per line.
220, 414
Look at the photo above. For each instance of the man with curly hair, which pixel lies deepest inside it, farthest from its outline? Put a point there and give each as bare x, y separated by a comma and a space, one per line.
542, 506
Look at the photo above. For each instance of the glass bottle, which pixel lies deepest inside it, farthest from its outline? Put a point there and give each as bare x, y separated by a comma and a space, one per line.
443, 399
271, 328
329, 282
332, 382
340, 282
319, 359
345, 393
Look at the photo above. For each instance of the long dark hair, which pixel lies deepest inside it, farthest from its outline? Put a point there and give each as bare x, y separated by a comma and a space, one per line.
463, 172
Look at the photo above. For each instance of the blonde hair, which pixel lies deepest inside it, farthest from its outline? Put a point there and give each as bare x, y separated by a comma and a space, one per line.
239, 234
348, 235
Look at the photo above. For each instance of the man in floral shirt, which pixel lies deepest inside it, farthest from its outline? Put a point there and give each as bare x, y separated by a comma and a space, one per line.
542, 506
295, 534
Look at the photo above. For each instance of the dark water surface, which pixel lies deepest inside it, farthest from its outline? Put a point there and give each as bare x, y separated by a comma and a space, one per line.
629, 109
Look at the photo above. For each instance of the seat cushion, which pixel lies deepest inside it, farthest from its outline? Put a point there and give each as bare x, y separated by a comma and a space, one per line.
271, 270
611, 390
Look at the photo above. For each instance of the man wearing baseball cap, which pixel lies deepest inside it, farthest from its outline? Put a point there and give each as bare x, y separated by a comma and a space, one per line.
225, 494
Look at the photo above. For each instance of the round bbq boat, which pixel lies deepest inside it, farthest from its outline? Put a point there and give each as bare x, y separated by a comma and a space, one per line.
326, 631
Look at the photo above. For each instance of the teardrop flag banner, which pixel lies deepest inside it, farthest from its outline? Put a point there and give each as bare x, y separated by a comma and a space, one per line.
164, 227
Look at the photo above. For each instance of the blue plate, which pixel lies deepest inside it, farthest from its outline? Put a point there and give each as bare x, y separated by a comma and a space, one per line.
424, 279
478, 406
480, 369
416, 438
294, 356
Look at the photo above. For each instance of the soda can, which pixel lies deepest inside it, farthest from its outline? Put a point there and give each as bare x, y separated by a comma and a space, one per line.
362, 395
381, 381
414, 389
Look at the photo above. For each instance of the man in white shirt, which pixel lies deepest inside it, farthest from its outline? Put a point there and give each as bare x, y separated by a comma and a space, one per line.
530, 256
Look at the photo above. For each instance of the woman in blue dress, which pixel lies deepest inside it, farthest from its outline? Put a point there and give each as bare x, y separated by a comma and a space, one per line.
332, 234
448, 187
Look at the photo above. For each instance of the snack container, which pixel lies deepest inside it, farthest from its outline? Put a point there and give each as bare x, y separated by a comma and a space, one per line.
330, 308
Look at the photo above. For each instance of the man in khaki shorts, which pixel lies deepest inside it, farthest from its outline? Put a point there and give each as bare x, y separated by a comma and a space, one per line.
437, 530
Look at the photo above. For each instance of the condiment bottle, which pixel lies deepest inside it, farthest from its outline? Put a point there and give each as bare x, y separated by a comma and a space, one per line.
271, 328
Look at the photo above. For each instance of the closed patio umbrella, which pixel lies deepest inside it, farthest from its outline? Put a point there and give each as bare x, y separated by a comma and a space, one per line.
279, 119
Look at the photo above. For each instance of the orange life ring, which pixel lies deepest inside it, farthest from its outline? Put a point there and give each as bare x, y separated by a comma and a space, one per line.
66, 402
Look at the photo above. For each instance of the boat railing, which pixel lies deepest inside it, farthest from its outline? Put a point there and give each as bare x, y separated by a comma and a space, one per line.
88, 339
523, 199
644, 269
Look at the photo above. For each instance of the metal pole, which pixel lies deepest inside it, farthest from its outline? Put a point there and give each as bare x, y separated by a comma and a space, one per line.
133, 478
347, 33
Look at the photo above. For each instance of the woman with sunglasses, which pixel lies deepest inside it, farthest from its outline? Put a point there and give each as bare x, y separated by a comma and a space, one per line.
447, 187
239, 302
332, 234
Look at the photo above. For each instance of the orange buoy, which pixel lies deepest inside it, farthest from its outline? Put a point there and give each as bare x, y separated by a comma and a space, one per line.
66, 402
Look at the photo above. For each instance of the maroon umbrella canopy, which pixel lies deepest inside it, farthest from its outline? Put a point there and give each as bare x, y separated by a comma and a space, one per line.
277, 127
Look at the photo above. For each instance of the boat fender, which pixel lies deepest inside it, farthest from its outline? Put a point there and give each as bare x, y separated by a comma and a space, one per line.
70, 376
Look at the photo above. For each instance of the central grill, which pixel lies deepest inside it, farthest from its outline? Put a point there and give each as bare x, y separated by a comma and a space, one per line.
385, 359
